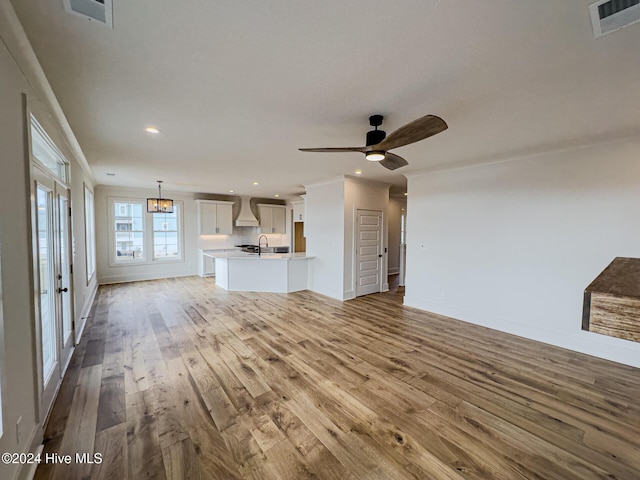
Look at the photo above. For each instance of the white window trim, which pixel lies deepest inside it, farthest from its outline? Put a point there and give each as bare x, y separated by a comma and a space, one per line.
179, 211
89, 232
147, 234
40, 137
113, 261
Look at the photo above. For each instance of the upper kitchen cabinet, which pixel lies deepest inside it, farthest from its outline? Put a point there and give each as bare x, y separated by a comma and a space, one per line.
272, 218
298, 211
215, 217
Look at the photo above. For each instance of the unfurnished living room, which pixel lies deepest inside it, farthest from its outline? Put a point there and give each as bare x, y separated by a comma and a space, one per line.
384, 239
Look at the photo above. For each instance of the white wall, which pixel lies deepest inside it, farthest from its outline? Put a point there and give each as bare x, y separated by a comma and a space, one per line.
324, 229
330, 215
513, 245
361, 194
108, 273
397, 206
188, 265
19, 378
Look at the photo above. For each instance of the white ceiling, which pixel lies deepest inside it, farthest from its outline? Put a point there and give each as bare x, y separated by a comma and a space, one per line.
238, 86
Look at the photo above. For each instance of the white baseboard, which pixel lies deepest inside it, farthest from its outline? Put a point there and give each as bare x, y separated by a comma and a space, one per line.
393, 271
140, 278
84, 315
608, 348
338, 295
27, 471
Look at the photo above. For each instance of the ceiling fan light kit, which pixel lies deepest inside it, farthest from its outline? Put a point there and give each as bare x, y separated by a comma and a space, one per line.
374, 156
378, 144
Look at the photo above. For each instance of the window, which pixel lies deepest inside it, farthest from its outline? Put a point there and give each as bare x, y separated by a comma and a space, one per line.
403, 227
165, 234
90, 233
129, 232
138, 237
46, 153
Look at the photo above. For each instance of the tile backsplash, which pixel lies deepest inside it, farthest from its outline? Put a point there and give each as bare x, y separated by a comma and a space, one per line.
241, 236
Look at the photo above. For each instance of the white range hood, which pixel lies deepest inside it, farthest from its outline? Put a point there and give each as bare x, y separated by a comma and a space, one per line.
246, 218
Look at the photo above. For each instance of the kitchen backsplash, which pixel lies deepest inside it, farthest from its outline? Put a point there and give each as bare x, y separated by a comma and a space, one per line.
241, 236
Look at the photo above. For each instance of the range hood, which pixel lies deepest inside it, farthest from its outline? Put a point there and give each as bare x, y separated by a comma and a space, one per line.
246, 218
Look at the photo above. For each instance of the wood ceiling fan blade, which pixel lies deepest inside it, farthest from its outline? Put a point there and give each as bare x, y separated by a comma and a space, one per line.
336, 149
392, 161
415, 131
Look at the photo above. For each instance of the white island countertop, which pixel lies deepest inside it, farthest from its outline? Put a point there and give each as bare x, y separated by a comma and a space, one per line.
238, 255
255, 256
269, 272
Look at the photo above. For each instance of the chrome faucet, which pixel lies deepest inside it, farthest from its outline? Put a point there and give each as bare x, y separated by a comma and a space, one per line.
266, 243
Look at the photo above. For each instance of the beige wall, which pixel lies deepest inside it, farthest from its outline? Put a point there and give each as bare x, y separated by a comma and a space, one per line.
17, 354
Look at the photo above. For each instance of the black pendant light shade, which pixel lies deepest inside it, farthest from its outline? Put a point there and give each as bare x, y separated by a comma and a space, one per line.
159, 205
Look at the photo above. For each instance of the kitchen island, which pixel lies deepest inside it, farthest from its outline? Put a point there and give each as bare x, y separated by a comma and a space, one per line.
270, 272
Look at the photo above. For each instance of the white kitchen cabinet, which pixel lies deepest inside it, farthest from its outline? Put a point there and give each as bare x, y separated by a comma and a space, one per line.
298, 212
272, 218
206, 264
215, 217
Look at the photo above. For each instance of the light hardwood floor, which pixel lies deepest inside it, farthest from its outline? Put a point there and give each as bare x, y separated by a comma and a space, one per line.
179, 379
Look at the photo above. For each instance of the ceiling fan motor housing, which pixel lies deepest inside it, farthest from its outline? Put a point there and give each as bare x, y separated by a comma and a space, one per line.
375, 136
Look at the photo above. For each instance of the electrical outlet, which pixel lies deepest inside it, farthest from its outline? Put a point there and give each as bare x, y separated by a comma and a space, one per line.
18, 431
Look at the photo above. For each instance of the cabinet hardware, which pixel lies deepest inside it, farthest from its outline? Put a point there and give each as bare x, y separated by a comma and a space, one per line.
65, 289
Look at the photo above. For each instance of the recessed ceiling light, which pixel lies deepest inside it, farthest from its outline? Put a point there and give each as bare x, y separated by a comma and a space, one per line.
256, 183
230, 191
406, 193
276, 195
358, 172
151, 129
111, 174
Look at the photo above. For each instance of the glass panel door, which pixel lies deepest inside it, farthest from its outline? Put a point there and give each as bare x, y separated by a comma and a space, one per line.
52, 247
51, 233
46, 282
63, 274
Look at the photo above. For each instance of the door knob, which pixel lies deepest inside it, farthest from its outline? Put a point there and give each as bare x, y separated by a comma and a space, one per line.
65, 289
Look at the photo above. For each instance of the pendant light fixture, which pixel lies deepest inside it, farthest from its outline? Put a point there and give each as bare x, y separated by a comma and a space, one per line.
159, 205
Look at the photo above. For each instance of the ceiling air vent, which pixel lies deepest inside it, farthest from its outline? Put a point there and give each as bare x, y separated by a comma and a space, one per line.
95, 10
610, 15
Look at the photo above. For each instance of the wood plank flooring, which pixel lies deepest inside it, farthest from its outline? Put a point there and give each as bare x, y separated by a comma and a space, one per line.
178, 379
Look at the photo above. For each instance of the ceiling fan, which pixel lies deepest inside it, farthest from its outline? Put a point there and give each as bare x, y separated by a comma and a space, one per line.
378, 144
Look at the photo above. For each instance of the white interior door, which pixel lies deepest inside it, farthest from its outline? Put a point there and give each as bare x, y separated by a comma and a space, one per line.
368, 252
